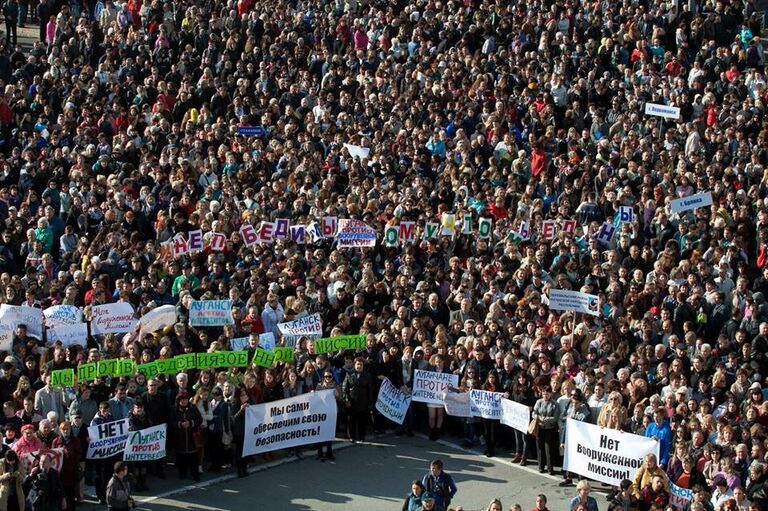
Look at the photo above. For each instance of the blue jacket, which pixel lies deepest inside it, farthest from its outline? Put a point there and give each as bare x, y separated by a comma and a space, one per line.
664, 434
442, 487
591, 503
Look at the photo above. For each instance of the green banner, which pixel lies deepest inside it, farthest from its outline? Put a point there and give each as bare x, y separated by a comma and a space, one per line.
86, 372
149, 370
263, 358
186, 361
124, 367
167, 366
283, 354
342, 342
63, 378
106, 367
218, 359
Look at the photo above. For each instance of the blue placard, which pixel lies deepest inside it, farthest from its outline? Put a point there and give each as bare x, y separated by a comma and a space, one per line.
251, 131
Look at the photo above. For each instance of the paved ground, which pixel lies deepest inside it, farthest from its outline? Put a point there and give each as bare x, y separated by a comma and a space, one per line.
372, 477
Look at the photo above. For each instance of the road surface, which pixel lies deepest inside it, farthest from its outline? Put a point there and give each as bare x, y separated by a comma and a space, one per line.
374, 476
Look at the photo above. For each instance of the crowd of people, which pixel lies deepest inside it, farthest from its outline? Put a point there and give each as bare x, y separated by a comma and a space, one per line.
120, 131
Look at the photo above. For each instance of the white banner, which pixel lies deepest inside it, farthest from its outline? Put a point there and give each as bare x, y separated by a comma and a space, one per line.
308, 326
605, 455
156, 319
428, 386
112, 318
6, 337
62, 315
485, 404
107, 440
700, 200
146, 444
355, 234
515, 415
457, 404
15, 315
305, 419
392, 402
560, 299
69, 334
211, 313
357, 151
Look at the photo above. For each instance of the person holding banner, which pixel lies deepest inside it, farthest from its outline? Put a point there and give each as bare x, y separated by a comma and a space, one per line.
490, 426
70, 467
239, 402
547, 413
44, 489
357, 393
522, 393
138, 420
187, 422
436, 412
325, 449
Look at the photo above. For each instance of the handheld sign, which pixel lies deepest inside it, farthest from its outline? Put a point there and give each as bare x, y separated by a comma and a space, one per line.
667, 112
251, 131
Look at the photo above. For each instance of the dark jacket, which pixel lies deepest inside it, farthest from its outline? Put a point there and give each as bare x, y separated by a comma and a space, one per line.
185, 442
358, 389
118, 493
73, 453
157, 407
44, 490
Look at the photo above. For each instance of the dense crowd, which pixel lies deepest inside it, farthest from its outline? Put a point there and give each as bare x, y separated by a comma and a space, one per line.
120, 130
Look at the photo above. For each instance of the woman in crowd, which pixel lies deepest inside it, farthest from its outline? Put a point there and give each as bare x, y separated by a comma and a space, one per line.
12, 475
201, 401
187, 422
547, 414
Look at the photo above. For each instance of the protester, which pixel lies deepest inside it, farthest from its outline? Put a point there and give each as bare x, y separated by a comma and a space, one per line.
546, 413
43, 487
583, 498
119, 489
187, 422
413, 501
439, 484
12, 475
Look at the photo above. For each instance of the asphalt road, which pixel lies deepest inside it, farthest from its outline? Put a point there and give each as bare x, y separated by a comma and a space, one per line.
374, 476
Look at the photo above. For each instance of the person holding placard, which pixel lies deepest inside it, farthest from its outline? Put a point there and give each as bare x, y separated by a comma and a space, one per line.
547, 413
186, 420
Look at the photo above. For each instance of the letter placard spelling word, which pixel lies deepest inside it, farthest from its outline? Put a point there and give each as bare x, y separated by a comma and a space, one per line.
561, 299
107, 439
603, 454
485, 404
305, 419
308, 326
86, 372
515, 415
700, 200
342, 342
146, 444
262, 358
428, 386
63, 378
211, 313
392, 402
112, 318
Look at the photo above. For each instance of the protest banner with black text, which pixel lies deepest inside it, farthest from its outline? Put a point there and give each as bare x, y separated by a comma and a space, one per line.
305, 419
107, 439
392, 402
146, 444
428, 386
603, 454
